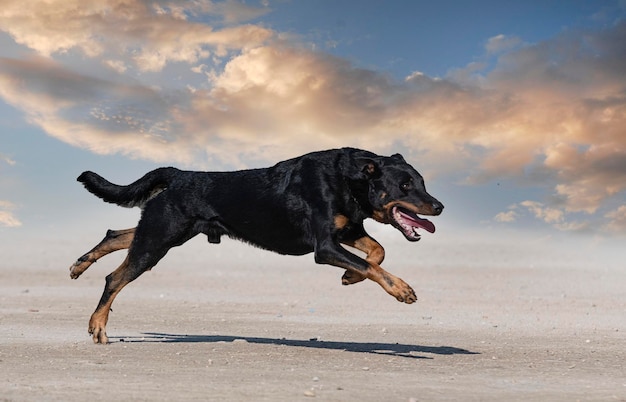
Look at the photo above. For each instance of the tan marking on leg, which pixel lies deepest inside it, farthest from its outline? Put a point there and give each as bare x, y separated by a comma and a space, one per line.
98, 321
113, 241
375, 255
392, 284
375, 252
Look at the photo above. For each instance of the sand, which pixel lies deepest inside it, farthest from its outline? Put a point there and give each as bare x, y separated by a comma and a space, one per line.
234, 323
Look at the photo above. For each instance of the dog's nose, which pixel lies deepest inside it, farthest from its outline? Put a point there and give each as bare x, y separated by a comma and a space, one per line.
437, 208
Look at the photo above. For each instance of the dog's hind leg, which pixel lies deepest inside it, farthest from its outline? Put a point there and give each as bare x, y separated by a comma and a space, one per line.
136, 263
113, 241
115, 281
152, 240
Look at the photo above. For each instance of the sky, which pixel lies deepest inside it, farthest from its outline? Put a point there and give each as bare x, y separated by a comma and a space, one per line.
514, 112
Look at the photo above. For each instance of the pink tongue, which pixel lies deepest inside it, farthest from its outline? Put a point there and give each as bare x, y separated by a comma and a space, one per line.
418, 222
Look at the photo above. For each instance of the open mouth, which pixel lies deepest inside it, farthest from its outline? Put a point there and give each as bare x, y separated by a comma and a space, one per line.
409, 223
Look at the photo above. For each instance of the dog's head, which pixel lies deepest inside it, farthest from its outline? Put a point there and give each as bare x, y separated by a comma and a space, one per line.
396, 194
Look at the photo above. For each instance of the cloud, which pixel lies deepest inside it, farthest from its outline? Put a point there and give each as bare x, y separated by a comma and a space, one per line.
7, 159
508, 216
549, 215
168, 86
501, 43
148, 35
616, 220
566, 118
90, 112
555, 217
7, 218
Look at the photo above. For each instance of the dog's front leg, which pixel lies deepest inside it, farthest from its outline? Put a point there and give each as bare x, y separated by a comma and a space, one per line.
375, 255
330, 252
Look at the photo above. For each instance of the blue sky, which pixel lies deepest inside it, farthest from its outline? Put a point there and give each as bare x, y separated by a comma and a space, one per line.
514, 111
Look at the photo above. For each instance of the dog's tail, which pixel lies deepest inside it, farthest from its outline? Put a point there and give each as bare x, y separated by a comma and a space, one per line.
133, 195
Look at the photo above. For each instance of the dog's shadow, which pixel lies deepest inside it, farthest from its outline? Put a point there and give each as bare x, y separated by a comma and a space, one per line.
391, 349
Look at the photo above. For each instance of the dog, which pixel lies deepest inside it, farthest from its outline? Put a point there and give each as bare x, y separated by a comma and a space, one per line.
314, 203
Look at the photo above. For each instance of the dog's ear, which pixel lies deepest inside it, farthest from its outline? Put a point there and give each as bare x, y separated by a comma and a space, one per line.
364, 169
398, 157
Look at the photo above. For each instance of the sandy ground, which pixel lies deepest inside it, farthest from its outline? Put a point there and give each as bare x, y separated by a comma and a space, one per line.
235, 323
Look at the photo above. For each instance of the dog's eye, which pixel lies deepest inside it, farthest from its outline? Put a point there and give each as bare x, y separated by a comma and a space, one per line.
406, 186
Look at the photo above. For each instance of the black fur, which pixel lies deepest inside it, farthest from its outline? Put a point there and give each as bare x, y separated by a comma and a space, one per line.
309, 204
288, 208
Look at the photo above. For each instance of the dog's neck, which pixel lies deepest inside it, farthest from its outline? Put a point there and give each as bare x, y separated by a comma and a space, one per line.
357, 203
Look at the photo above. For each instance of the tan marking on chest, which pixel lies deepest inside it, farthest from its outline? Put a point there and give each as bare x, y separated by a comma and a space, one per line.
341, 221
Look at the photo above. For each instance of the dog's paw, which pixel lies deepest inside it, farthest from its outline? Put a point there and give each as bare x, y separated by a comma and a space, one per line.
80, 266
403, 292
97, 330
351, 277
408, 296
99, 336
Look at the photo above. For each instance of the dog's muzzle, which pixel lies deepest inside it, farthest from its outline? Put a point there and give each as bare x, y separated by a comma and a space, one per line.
409, 223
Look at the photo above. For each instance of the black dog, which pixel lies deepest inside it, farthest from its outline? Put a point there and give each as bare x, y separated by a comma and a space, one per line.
312, 203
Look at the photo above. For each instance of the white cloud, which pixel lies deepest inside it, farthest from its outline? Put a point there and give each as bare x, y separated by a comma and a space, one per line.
508, 216
117, 65
501, 43
7, 218
555, 217
573, 226
7, 159
616, 220
547, 214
